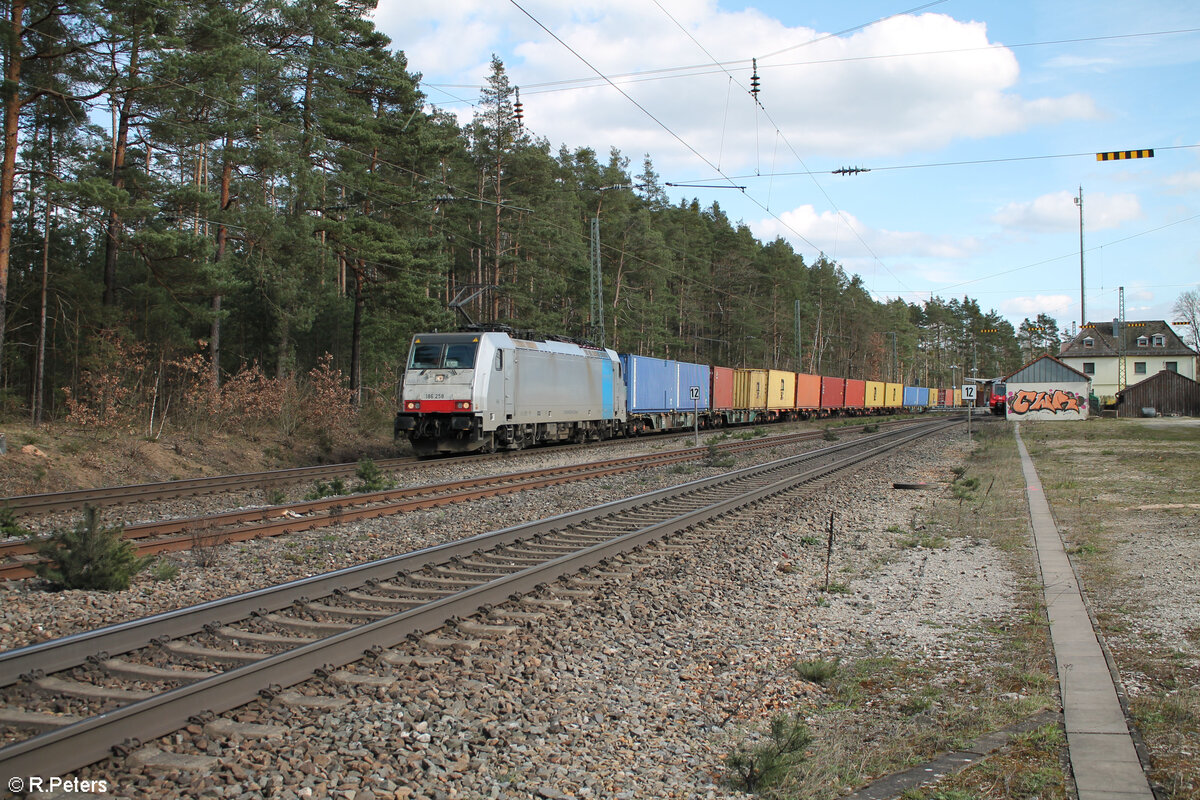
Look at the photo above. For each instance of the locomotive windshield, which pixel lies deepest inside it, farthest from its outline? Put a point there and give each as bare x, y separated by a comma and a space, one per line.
442, 355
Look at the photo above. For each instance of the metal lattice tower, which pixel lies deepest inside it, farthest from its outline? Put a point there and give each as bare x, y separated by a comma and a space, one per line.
597, 284
1121, 348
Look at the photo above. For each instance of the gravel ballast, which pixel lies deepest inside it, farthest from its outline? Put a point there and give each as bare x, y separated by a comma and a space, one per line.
638, 689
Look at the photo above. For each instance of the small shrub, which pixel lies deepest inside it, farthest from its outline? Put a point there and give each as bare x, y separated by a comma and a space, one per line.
872, 428
837, 588
89, 556
9, 528
828, 435
809, 541
371, 477
816, 671
759, 765
717, 458
164, 570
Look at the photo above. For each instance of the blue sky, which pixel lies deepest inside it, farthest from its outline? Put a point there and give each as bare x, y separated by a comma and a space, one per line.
960, 109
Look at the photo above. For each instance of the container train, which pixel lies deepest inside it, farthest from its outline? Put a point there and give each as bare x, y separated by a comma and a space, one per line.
491, 390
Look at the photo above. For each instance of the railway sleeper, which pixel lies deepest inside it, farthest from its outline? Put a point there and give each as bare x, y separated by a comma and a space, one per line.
230, 729
36, 721
308, 625
316, 702
212, 653
517, 616
154, 758
348, 678
406, 660
89, 691
432, 642
347, 611
470, 628
455, 583
128, 669
426, 592
397, 602
239, 635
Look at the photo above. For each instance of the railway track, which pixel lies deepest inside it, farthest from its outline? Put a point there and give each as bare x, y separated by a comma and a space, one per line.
17, 557
32, 505
73, 701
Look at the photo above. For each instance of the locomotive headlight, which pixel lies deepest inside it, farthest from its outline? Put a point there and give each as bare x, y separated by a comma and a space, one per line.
413, 405
463, 405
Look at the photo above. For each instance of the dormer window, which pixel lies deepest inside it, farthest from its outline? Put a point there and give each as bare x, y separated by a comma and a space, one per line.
1089, 342
1143, 341
1160, 340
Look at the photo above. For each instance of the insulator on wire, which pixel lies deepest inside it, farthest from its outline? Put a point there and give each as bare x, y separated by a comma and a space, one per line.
754, 83
519, 110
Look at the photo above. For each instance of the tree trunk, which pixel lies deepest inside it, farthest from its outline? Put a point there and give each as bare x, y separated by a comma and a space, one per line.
120, 145
356, 337
39, 364
214, 340
8, 164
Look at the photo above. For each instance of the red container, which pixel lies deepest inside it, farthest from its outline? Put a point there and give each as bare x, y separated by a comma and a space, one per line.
833, 392
856, 393
722, 388
808, 391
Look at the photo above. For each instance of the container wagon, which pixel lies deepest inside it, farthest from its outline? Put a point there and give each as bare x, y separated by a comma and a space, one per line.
874, 395
856, 395
659, 392
833, 395
781, 394
894, 395
808, 394
750, 393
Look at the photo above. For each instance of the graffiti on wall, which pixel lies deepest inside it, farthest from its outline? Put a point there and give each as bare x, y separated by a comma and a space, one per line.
1057, 401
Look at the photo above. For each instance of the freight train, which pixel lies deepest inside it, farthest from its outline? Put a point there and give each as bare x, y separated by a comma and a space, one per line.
488, 390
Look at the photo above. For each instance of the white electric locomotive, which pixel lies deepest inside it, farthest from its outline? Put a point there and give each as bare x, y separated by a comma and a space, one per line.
485, 391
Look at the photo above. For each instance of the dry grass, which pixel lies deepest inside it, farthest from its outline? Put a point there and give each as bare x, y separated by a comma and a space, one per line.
1116, 488
880, 715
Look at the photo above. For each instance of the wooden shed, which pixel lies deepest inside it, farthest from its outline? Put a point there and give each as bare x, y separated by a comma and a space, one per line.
1167, 392
1046, 388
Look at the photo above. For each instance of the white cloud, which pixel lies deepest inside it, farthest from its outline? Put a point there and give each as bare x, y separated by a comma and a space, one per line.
1183, 182
838, 235
841, 96
1052, 304
1058, 212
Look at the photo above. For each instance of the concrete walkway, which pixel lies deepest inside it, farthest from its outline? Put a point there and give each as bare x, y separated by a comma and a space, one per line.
1103, 757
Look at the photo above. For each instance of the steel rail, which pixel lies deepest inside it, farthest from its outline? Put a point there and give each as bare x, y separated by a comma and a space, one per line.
59, 654
72, 499
309, 514
63, 750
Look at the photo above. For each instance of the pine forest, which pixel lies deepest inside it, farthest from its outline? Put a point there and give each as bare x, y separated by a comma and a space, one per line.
205, 205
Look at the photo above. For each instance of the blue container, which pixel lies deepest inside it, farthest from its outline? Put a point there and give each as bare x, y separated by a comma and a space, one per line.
655, 384
923, 396
912, 396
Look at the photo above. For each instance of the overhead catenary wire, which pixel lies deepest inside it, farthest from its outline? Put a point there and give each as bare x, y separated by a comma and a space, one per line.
759, 106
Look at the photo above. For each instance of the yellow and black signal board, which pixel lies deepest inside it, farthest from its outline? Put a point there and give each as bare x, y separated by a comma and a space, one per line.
1120, 155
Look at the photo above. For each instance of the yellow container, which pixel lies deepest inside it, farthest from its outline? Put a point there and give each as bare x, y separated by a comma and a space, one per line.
893, 395
875, 394
781, 389
750, 389
957, 398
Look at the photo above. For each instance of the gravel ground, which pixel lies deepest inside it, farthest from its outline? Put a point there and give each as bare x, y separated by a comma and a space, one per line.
636, 690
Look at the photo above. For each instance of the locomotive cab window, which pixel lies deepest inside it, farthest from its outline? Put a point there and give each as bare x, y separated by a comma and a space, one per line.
425, 356
438, 355
460, 356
